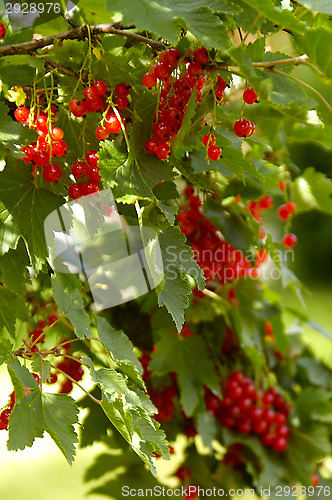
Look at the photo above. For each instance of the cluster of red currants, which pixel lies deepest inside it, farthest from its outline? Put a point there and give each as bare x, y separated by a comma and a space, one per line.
49, 143
5, 413
251, 411
37, 336
88, 171
174, 96
164, 399
285, 213
217, 258
70, 366
96, 100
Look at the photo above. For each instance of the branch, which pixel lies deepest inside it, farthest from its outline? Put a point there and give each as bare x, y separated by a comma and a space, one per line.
76, 34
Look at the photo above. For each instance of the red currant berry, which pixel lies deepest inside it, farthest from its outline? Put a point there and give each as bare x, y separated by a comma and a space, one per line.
101, 133
189, 191
250, 96
4, 417
41, 123
151, 146
36, 377
214, 152
163, 151
41, 158
267, 439
194, 69
260, 426
77, 107
121, 102
93, 174
22, 114
52, 172
75, 191
90, 93
53, 378
149, 80
209, 140
2, 31
219, 95
283, 212
162, 71
59, 148
265, 202
291, 206
289, 240
66, 387
201, 55
100, 87
91, 158
314, 479
280, 444
112, 123
94, 105
122, 89
172, 57
90, 188
57, 134
242, 128
80, 169
51, 318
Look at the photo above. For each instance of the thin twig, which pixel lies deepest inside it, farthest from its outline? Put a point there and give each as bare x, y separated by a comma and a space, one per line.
75, 34
78, 384
305, 85
61, 68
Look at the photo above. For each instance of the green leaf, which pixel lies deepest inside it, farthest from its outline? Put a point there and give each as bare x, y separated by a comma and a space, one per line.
13, 133
6, 348
314, 404
14, 268
189, 358
323, 6
118, 344
234, 159
131, 180
314, 42
313, 189
312, 443
71, 303
178, 261
28, 205
283, 17
60, 414
26, 421
8, 310
167, 19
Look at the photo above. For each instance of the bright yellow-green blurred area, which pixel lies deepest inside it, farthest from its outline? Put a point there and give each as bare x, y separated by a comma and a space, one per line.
42, 473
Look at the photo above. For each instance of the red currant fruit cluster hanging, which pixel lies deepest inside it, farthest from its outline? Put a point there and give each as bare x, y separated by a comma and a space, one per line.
217, 258
49, 143
88, 172
257, 207
213, 151
71, 366
174, 96
249, 411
